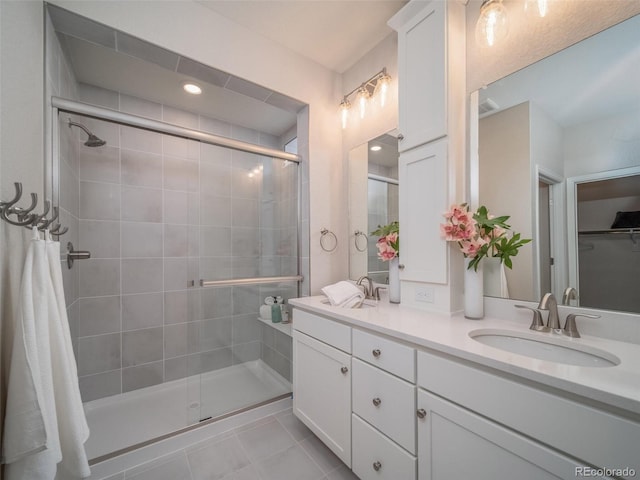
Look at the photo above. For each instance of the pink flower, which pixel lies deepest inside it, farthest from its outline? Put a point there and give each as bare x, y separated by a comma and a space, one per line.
385, 250
470, 248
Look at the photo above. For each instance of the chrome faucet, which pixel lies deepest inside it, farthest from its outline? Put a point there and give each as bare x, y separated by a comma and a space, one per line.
550, 303
569, 294
367, 290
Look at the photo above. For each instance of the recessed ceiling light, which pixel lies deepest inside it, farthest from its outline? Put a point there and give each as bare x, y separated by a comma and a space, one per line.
192, 88
376, 148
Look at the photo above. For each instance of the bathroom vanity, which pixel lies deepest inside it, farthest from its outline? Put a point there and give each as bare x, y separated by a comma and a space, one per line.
399, 393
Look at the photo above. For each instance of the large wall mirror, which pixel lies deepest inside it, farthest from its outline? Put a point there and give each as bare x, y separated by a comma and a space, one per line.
373, 201
559, 151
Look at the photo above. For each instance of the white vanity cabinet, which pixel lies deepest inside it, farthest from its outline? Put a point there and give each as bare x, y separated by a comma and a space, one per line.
422, 78
423, 176
431, 89
384, 404
500, 426
322, 380
398, 411
482, 449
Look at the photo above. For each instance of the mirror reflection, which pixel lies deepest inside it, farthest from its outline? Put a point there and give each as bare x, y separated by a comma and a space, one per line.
559, 151
373, 201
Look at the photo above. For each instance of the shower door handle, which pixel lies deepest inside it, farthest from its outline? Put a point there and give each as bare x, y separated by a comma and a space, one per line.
73, 255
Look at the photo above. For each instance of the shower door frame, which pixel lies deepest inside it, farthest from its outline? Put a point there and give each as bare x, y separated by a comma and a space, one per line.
61, 105
70, 106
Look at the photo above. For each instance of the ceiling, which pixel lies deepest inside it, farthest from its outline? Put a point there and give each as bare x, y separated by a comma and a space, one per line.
596, 77
333, 33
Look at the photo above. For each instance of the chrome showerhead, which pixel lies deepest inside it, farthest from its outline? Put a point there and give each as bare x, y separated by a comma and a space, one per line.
92, 141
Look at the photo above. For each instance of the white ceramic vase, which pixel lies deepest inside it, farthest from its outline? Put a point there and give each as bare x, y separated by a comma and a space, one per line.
394, 280
473, 291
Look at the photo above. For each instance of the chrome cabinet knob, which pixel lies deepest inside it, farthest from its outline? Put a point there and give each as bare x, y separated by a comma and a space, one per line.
376, 353
401, 266
377, 466
421, 413
344, 370
377, 402
400, 136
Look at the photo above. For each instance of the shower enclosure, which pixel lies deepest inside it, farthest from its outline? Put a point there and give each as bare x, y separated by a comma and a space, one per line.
189, 230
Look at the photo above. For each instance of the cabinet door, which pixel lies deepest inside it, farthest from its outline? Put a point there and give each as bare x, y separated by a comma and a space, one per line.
322, 392
423, 200
422, 77
456, 443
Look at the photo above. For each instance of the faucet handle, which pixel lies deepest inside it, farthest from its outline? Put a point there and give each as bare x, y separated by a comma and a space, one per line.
536, 323
570, 329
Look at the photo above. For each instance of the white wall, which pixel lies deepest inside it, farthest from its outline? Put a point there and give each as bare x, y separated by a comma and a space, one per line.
505, 184
378, 120
359, 131
21, 140
211, 39
606, 144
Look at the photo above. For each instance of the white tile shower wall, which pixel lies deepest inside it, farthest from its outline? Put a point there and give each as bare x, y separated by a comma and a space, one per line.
158, 212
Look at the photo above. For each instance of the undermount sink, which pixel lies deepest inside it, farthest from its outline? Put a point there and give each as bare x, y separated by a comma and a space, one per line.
364, 304
545, 347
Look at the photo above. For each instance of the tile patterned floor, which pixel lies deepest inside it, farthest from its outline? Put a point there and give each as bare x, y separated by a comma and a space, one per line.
277, 447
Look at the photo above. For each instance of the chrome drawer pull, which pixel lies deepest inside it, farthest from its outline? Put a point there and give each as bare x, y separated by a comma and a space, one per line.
344, 370
377, 402
376, 352
421, 413
377, 466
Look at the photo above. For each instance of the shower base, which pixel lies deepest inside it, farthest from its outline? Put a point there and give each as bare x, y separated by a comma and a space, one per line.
123, 421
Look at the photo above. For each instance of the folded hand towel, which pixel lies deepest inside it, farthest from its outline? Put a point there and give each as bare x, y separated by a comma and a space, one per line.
343, 294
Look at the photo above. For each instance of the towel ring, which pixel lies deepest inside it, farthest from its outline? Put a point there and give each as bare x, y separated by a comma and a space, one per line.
328, 233
359, 234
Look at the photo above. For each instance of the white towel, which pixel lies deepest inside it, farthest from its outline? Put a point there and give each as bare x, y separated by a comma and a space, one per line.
343, 294
72, 423
31, 444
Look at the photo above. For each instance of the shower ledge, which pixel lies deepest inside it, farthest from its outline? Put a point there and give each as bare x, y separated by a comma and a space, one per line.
283, 327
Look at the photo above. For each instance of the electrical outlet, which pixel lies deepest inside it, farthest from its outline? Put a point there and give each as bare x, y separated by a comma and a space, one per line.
424, 294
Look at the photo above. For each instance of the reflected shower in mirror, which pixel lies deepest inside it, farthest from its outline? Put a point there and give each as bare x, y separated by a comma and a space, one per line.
373, 201
559, 151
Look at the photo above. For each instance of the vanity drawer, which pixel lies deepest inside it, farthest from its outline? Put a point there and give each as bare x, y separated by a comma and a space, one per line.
327, 331
386, 354
386, 402
374, 456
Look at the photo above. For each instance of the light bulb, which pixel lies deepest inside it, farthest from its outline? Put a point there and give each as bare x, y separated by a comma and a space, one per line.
344, 112
492, 25
362, 97
376, 148
536, 7
192, 88
382, 88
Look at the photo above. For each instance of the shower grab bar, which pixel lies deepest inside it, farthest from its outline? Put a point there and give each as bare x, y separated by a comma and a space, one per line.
250, 281
102, 113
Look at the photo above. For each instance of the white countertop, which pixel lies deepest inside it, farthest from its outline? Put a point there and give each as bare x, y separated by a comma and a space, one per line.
617, 386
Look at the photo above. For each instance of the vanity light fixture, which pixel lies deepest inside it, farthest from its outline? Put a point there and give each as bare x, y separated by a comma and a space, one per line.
492, 25
362, 96
377, 86
191, 88
536, 7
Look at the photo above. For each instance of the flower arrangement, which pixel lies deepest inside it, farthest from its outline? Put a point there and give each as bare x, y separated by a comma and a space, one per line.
481, 235
389, 242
